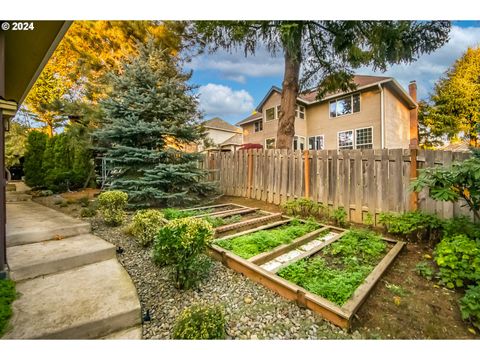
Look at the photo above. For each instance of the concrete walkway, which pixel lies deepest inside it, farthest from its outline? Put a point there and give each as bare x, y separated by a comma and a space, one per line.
70, 283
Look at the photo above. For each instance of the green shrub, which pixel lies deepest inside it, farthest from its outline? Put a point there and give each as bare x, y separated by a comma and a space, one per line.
145, 225
255, 243
339, 217
88, 212
180, 243
7, 295
458, 259
36, 142
218, 221
425, 269
200, 323
461, 225
414, 225
112, 206
368, 220
305, 208
470, 305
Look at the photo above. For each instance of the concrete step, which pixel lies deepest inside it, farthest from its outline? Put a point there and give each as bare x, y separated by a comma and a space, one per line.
29, 222
88, 302
48, 257
134, 333
14, 196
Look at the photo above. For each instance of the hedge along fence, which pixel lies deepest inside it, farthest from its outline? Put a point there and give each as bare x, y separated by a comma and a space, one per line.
361, 181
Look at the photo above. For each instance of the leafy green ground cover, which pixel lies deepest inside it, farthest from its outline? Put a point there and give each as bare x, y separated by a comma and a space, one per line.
340, 267
171, 213
261, 241
217, 221
7, 295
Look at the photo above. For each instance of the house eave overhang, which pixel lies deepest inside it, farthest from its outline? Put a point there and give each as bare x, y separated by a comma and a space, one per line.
26, 54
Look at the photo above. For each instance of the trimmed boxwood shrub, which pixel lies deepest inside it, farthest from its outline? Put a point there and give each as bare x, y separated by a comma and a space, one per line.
112, 206
145, 225
181, 243
200, 322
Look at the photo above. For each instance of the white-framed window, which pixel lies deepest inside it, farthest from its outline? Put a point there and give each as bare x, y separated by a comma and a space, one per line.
316, 142
345, 139
345, 106
270, 114
298, 142
278, 112
364, 138
300, 111
270, 143
258, 126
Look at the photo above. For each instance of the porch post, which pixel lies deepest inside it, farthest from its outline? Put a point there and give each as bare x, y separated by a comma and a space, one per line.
3, 245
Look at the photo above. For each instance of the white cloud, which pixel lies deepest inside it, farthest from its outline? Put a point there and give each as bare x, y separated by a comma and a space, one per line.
429, 68
235, 66
223, 101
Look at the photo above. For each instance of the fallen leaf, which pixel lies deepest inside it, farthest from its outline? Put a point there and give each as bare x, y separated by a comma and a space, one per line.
427, 256
397, 300
472, 330
247, 300
436, 286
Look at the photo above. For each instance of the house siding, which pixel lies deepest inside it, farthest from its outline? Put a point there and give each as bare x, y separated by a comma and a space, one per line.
397, 122
219, 136
270, 128
320, 123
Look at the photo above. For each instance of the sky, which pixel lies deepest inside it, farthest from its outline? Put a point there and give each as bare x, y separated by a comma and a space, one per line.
232, 85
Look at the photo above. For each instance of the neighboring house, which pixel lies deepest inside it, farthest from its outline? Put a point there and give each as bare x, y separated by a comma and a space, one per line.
376, 115
221, 136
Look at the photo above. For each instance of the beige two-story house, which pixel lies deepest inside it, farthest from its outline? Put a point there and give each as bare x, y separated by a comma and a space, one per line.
377, 115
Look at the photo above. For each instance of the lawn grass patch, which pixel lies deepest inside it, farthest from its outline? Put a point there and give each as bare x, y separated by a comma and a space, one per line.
7, 295
340, 267
261, 241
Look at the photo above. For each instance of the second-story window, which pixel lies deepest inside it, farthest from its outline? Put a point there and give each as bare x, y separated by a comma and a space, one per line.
300, 112
270, 114
278, 112
344, 106
257, 126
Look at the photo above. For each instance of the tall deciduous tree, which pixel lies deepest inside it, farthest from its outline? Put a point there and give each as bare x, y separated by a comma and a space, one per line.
150, 115
454, 108
325, 52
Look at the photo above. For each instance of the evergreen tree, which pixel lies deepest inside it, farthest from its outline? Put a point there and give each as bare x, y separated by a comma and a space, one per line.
454, 108
150, 115
32, 167
325, 53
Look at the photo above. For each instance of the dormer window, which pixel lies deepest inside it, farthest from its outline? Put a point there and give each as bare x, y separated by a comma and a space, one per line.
345, 106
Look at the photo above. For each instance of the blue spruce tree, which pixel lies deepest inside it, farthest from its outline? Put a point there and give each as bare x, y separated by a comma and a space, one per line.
151, 114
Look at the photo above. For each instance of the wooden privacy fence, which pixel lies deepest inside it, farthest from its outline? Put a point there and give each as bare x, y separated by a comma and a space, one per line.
361, 181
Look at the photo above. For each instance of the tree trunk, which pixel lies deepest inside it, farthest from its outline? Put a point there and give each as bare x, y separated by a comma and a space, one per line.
290, 88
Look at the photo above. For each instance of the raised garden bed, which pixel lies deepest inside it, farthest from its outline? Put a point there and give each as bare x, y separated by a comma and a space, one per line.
202, 211
270, 257
227, 219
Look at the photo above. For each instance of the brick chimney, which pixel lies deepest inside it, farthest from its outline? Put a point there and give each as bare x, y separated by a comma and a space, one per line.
412, 90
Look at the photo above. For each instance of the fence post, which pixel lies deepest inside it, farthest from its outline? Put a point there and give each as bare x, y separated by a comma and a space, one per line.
413, 175
250, 173
306, 178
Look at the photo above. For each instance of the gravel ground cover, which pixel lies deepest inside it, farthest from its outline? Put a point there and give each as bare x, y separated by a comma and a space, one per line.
252, 311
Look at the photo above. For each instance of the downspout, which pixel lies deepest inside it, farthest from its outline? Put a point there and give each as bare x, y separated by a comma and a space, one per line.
382, 118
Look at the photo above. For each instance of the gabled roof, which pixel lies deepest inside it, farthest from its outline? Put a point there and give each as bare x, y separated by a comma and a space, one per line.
236, 139
362, 81
253, 117
220, 124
